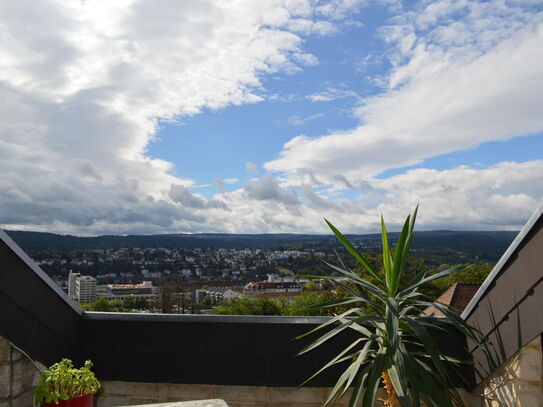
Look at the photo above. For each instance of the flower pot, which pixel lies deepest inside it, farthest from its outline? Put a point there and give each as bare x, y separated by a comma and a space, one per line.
81, 401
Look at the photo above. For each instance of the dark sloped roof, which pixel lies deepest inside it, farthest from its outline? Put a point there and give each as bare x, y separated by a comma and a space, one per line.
25, 259
457, 296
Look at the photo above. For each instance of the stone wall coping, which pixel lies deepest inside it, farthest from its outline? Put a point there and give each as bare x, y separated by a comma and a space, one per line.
202, 318
195, 403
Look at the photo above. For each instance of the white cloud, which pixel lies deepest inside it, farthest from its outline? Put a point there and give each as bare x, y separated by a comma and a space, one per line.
332, 93
339, 9
437, 102
83, 85
500, 197
306, 59
251, 168
462, 198
182, 195
307, 27
296, 120
267, 189
219, 183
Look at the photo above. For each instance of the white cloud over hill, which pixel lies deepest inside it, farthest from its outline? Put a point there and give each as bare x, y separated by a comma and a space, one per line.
83, 85
500, 197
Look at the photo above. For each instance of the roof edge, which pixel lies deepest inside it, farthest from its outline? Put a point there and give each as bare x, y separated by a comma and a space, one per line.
19, 252
503, 260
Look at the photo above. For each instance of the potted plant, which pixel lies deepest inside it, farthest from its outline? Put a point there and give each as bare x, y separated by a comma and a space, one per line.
393, 342
62, 385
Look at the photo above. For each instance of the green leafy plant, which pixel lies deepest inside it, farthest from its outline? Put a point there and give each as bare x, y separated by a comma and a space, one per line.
62, 381
393, 341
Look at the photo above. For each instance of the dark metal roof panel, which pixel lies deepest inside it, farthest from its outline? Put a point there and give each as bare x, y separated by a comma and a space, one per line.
15, 248
496, 271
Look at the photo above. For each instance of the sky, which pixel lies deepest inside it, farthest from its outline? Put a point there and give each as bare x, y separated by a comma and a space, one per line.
267, 116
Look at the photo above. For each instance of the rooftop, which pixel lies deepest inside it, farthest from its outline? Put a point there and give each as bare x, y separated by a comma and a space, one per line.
457, 296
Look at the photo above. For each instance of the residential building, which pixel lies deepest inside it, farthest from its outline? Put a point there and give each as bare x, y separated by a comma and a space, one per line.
216, 295
457, 296
272, 290
85, 288
122, 291
266, 287
72, 279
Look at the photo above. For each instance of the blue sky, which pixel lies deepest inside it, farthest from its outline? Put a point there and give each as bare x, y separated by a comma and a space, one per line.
230, 137
218, 143
243, 116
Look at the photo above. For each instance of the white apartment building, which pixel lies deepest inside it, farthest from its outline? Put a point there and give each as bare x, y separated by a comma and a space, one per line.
72, 279
217, 294
85, 289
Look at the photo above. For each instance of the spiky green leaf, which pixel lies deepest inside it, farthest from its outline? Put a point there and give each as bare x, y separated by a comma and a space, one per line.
353, 251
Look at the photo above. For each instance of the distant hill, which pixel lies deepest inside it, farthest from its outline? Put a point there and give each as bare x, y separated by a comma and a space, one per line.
42, 241
439, 245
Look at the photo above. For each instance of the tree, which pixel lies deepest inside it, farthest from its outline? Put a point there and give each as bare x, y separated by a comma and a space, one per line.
303, 304
299, 305
311, 286
104, 305
385, 313
207, 301
475, 273
249, 306
164, 301
138, 303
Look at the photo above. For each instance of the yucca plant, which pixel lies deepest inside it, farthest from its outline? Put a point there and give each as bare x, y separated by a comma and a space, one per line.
393, 341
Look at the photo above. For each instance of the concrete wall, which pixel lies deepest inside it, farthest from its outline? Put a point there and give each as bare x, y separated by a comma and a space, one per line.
133, 393
18, 376
517, 382
114, 394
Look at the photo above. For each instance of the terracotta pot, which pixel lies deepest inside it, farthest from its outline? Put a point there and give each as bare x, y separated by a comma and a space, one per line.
81, 401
